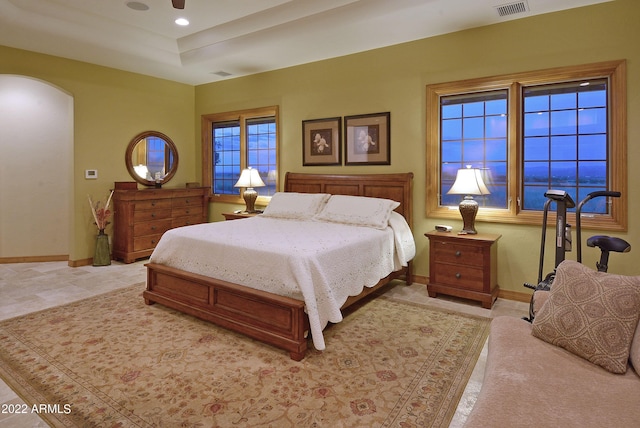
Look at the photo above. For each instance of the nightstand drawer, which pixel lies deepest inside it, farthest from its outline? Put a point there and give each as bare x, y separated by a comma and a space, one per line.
466, 277
448, 252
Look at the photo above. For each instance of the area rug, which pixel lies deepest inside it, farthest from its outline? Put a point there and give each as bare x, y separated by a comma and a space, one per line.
112, 361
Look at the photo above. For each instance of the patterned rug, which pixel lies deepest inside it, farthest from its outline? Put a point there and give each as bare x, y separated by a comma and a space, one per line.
112, 361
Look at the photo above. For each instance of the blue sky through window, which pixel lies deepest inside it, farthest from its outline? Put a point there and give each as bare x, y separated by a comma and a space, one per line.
565, 138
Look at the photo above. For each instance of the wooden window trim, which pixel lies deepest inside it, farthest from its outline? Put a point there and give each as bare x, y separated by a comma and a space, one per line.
242, 116
615, 71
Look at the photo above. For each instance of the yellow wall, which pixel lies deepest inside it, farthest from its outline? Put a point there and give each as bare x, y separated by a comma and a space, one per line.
112, 106
394, 79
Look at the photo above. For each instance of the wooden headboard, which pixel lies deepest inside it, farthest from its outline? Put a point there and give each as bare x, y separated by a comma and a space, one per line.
389, 186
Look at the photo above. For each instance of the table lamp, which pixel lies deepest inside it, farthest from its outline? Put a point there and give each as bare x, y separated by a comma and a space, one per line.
250, 178
468, 182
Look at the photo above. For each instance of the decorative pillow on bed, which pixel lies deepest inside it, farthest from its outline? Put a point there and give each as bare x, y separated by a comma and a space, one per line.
292, 205
358, 211
591, 314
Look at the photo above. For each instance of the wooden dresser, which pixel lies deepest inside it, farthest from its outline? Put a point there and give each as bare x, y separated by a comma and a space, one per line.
142, 216
463, 266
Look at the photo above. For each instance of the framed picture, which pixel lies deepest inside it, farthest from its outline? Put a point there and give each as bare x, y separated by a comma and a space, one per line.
321, 142
368, 139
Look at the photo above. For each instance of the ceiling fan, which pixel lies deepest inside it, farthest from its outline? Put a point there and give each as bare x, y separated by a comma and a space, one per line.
178, 4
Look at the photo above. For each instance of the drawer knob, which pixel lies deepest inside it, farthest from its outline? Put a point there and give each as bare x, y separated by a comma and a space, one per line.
153, 241
458, 275
188, 201
153, 214
458, 253
153, 204
153, 228
188, 212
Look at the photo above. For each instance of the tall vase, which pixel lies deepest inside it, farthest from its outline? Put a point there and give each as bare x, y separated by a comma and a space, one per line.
102, 256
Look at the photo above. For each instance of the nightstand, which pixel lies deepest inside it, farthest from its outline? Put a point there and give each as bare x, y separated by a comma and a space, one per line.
463, 266
237, 216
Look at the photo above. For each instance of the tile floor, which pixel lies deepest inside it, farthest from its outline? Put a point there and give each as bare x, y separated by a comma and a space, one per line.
29, 287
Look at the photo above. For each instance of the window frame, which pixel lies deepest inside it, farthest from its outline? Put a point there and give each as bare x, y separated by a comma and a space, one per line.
614, 71
242, 116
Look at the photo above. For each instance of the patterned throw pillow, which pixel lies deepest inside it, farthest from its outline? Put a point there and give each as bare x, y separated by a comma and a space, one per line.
591, 314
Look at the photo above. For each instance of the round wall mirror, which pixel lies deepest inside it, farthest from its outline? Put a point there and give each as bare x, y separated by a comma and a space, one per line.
151, 158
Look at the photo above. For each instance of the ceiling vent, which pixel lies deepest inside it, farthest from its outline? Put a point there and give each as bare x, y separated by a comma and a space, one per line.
221, 73
513, 8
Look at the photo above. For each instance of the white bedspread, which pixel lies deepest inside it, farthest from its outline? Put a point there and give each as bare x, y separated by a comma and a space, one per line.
318, 262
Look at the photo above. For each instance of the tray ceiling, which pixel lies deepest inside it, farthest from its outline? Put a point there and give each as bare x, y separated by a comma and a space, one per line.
232, 38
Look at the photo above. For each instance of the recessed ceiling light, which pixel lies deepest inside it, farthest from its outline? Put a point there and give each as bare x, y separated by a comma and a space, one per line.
136, 5
182, 21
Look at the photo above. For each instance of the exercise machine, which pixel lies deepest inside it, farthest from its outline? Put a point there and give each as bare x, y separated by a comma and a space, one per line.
563, 240
606, 244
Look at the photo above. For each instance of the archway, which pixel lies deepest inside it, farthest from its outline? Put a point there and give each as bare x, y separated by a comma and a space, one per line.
36, 170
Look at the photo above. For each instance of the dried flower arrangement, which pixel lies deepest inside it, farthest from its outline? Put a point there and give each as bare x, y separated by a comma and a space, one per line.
101, 214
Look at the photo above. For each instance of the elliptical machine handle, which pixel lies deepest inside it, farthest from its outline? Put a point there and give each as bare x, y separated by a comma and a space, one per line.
602, 193
597, 194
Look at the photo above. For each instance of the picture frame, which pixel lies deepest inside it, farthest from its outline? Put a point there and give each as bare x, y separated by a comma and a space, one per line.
368, 139
322, 142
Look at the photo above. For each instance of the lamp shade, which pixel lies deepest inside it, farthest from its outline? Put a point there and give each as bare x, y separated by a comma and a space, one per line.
249, 178
468, 182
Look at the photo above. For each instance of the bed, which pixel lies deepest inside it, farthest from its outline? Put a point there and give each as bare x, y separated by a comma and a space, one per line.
282, 319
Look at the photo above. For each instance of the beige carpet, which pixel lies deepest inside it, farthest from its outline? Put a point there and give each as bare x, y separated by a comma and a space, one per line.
112, 361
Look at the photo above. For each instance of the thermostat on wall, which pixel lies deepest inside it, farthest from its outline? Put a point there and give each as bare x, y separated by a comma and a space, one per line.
90, 173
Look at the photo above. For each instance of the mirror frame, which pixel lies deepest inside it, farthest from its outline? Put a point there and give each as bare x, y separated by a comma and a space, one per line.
129, 162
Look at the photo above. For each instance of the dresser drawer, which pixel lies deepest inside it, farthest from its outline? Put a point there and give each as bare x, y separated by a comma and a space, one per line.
187, 211
448, 252
151, 227
147, 242
189, 201
152, 204
156, 214
186, 220
459, 276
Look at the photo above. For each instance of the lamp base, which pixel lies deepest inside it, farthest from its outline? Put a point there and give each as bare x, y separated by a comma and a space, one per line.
468, 209
250, 197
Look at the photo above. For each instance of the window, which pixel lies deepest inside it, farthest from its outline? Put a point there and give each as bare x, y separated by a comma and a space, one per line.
565, 141
552, 129
237, 140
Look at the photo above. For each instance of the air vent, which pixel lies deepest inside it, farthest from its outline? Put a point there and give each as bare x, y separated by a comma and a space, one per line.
221, 73
513, 8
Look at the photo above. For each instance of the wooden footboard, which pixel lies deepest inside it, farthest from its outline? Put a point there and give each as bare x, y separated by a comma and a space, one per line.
276, 320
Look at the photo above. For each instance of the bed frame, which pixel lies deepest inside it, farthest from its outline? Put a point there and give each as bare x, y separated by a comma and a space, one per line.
276, 320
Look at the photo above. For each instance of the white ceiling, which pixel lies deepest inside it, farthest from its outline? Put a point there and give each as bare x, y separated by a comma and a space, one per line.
239, 37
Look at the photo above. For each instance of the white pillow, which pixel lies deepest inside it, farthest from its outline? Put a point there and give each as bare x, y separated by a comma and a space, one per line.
358, 211
298, 206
